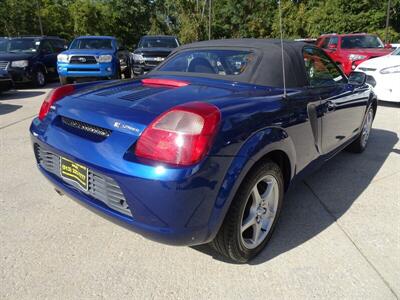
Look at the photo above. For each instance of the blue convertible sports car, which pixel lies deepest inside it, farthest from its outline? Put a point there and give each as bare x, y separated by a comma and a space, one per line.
203, 148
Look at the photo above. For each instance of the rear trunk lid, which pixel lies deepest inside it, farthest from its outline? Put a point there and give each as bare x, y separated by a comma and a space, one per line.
131, 106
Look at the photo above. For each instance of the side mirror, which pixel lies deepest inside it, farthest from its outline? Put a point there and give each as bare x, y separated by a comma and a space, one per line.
332, 46
357, 78
388, 46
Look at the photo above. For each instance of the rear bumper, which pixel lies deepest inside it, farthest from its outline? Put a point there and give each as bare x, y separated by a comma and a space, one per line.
170, 236
174, 207
90, 70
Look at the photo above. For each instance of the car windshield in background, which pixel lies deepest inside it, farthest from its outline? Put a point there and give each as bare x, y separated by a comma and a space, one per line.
3, 45
153, 42
91, 44
19, 45
361, 41
396, 52
219, 62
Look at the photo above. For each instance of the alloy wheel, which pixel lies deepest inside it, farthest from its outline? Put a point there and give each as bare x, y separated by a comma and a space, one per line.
260, 212
367, 127
40, 78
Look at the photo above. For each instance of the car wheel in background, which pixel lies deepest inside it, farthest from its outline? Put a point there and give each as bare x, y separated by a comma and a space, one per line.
252, 217
361, 142
117, 75
128, 72
39, 78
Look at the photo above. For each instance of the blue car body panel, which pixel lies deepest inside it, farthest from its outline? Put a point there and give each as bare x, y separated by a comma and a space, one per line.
187, 205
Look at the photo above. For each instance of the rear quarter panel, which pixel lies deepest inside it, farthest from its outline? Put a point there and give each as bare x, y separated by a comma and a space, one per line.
256, 126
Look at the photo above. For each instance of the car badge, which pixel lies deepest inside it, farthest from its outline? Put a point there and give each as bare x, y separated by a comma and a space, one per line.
126, 126
82, 59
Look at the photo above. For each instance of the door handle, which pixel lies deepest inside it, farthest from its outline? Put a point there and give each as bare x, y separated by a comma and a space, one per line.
331, 106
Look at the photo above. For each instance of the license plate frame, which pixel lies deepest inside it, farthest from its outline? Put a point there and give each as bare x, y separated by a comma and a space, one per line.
74, 172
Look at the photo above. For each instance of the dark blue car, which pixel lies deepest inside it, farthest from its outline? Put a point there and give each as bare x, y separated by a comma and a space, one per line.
31, 59
203, 148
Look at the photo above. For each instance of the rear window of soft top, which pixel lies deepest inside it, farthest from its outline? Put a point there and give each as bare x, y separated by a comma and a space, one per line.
218, 62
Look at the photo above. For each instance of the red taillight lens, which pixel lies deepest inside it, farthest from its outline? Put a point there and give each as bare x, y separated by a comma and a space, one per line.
180, 136
54, 96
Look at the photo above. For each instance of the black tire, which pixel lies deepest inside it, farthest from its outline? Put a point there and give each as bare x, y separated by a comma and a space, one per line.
39, 78
229, 241
360, 144
128, 72
117, 75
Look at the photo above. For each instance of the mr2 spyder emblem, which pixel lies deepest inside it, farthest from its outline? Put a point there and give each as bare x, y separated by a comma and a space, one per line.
125, 126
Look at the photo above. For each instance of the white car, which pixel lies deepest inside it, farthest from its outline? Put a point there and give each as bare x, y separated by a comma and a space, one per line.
396, 46
386, 72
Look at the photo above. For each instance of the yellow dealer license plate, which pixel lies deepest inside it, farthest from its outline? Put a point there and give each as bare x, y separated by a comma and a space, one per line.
75, 172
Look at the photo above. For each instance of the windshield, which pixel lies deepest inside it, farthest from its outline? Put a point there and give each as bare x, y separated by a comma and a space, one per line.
219, 62
19, 45
3, 45
91, 44
161, 42
396, 52
361, 41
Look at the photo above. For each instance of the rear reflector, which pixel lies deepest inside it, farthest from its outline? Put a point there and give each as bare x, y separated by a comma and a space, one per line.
181, 136
165, 82
52, 97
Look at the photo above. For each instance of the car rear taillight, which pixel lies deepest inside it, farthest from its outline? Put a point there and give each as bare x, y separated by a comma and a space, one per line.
54, 96
181, 136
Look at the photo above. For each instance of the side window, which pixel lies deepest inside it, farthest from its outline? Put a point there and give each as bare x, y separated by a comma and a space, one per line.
46, 47
58, 45
334, 40
325, 43
321, 71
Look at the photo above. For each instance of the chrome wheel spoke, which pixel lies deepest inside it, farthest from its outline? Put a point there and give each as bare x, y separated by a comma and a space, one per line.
256, 195
257, 232
271, 211
250, 221
269, 193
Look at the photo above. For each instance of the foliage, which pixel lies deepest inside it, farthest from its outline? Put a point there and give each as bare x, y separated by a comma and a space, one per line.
188, 19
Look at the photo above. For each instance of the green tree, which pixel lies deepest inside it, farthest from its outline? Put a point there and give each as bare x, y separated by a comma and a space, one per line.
188, 19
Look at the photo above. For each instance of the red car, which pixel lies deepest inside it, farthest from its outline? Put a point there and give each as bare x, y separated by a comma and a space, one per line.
349, 50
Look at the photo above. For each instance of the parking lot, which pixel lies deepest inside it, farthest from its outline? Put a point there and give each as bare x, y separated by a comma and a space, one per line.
338, 236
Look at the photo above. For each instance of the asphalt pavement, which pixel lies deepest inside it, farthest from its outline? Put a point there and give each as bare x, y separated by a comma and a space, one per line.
338, 236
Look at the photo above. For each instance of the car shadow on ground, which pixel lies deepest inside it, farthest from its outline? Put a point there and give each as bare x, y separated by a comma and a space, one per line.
29, 86
8, 108
340, 181
20, 94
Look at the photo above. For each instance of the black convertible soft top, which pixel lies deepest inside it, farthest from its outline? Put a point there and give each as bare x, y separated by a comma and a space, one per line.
267, 70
